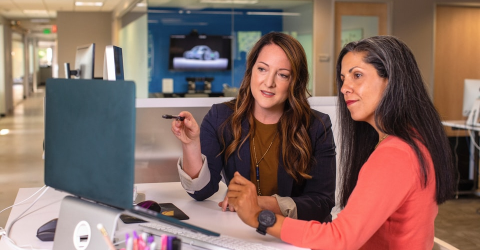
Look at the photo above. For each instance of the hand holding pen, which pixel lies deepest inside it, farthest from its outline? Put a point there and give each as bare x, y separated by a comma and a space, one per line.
186, 129
188, 132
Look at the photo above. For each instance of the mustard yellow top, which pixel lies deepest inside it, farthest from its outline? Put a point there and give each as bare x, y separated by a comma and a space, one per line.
268, 166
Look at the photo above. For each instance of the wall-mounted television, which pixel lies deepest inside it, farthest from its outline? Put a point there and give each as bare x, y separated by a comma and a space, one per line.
200, 53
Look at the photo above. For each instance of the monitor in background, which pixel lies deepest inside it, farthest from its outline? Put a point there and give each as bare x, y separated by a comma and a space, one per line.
113, 64
84, 63
471, 100
200, 53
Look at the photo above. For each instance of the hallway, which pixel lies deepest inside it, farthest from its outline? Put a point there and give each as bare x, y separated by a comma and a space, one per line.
21, 163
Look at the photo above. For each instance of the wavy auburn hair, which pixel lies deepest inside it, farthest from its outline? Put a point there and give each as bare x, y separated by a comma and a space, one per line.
293, 126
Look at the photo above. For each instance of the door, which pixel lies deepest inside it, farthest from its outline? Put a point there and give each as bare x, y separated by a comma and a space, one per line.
354, 21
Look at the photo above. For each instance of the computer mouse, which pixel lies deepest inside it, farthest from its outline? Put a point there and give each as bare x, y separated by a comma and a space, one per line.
47, 231
152, 205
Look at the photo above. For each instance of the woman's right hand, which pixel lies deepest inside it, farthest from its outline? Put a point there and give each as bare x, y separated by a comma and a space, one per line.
187, 130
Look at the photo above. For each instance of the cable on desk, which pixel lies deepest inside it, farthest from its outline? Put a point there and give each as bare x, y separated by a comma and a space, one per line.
5, 233
473, 139
24, 200
13, 245
31, 205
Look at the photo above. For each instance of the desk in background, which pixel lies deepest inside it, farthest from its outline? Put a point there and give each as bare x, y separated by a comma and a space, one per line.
201, 213
474, 158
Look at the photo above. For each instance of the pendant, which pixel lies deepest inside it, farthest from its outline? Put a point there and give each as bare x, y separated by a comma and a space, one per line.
258, 188
258, 179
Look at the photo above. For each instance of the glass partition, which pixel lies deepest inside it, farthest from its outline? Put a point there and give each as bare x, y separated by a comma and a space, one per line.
355, 28
189, 42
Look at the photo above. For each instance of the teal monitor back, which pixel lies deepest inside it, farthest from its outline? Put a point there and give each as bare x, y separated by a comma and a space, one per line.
90, 139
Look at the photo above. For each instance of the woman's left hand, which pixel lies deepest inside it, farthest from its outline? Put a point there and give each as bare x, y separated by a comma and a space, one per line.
243, 196
224, 205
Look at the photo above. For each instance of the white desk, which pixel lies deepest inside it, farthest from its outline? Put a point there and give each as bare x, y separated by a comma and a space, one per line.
460, 124
474, 158
204, 214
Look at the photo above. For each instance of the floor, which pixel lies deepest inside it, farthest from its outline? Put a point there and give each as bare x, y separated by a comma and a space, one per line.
458, 222
21, 165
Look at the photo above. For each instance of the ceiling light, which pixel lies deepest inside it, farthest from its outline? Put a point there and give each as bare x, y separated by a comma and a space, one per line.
4, 131
99, 4
40, 20
35, 11
141, 5
260, 13
230, 1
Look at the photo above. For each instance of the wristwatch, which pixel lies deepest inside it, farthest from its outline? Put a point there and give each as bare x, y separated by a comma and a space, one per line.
266, 219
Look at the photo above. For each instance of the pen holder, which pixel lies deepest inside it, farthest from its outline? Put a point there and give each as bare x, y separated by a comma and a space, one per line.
147, 241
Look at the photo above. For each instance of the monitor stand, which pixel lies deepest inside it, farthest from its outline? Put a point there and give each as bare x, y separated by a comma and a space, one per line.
77, 224
474, 114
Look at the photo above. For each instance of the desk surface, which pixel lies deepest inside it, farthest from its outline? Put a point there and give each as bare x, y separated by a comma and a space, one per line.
201, 213
461, 124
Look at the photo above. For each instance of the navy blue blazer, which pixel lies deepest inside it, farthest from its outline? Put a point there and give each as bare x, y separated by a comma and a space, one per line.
314, 198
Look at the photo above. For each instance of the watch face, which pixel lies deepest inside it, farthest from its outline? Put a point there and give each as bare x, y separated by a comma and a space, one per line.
267, 218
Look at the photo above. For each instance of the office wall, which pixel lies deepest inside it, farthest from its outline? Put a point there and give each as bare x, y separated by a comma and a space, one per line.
301, 27
413, 23
2, 74
80, 28
18, 50
411, 20
6, 80
455, 59
323, 42
133, 41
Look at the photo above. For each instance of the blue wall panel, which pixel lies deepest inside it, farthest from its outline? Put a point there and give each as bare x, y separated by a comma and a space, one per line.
163, 22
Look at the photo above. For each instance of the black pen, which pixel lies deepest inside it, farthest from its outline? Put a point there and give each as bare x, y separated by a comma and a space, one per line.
179, 118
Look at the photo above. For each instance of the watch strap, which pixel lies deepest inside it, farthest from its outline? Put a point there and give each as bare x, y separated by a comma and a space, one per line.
261, 229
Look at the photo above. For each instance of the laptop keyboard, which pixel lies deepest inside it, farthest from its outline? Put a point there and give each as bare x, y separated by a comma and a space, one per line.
204, 241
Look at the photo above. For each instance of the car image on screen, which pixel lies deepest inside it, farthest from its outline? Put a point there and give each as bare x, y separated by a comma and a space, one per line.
201, 52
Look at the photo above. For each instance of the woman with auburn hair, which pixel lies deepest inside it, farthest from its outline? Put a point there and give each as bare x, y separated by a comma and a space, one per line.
269, 134
396, 161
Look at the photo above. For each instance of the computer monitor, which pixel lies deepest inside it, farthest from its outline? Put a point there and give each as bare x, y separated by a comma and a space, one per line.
471, 100
113, 63
89, 139
90, 153
84, 63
